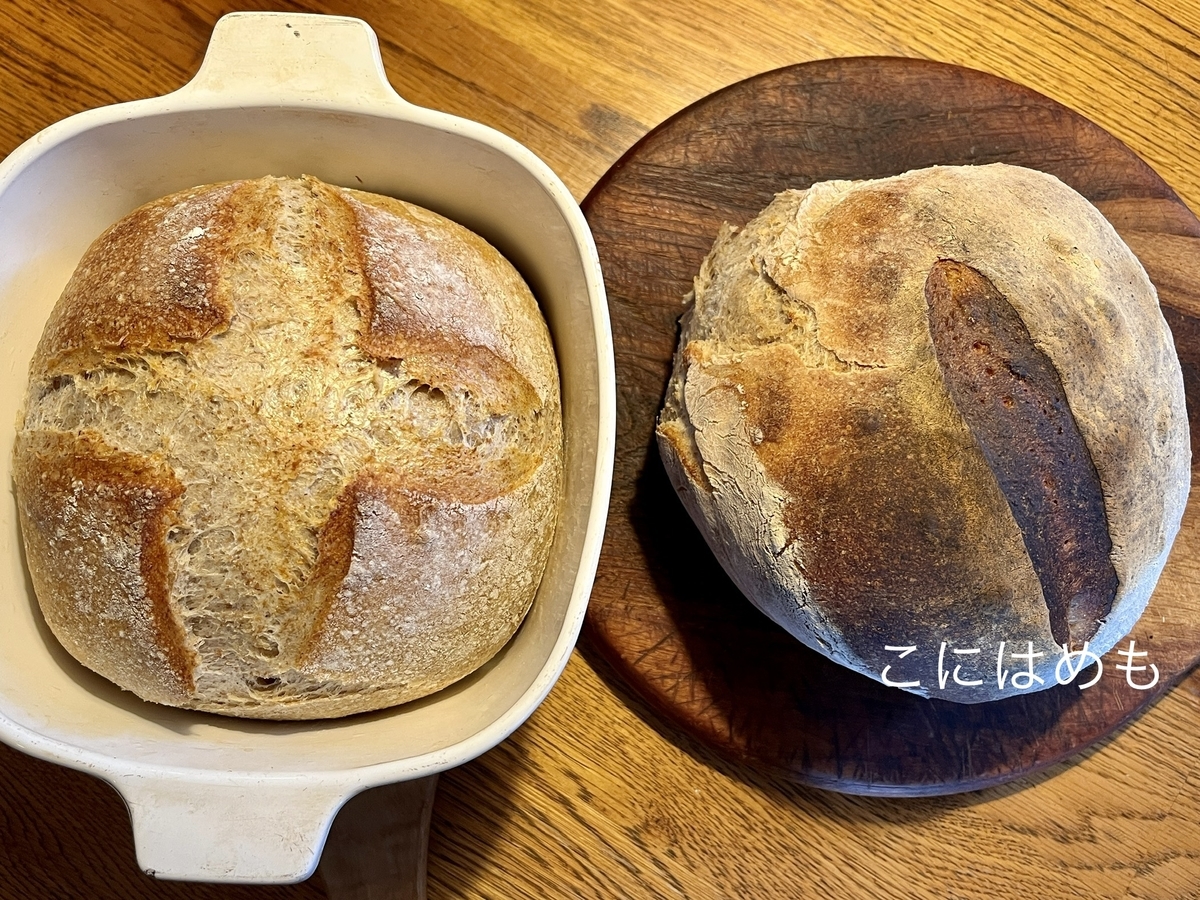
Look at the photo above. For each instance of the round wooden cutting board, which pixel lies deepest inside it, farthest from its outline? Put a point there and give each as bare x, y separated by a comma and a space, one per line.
663, 612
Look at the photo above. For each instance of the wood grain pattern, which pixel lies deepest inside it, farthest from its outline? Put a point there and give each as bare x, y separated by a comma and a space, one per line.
663, 613
377, 848
596, 796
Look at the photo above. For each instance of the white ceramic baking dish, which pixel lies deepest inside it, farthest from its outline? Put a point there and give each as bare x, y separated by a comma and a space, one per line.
227, 800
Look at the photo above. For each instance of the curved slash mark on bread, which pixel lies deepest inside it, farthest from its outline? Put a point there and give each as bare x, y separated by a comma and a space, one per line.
1013, 401
95, 520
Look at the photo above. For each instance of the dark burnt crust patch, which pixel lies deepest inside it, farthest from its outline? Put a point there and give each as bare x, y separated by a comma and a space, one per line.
1013, 401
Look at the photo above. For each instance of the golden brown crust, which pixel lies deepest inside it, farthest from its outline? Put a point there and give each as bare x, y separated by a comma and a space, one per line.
829, 441
428, 626
427, 287
844, 491
357, 407
148, 283
94, 522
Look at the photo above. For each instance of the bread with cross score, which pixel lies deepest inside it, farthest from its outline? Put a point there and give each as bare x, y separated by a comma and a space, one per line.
289, 451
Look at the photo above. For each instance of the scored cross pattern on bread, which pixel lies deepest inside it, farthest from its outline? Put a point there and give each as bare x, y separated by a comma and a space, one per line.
290, 450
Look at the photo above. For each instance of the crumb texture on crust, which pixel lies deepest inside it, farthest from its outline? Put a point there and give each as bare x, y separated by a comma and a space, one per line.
358, 402
808, 427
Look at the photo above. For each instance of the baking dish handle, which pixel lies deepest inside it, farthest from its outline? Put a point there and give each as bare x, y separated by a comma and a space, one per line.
204, 831
264, 58
273, 832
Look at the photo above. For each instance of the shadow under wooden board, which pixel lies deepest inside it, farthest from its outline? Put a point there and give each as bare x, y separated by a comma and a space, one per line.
663, 612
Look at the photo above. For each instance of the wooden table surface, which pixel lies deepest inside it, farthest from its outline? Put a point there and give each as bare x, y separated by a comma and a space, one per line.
595, 797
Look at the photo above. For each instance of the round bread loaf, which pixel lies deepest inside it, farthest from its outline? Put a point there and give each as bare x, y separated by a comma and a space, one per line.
289, 451
934, 426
